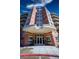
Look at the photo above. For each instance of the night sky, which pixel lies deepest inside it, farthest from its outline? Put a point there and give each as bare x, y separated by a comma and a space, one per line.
52, 7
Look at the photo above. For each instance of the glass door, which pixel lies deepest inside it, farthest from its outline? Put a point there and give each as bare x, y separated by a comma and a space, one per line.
39, 40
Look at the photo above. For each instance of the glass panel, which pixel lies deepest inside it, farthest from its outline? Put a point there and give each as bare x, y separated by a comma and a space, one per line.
38, 40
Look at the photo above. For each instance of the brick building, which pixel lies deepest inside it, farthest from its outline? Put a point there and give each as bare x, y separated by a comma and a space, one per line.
39, 29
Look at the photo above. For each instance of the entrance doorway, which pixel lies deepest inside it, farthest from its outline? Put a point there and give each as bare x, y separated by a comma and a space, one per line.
39, 40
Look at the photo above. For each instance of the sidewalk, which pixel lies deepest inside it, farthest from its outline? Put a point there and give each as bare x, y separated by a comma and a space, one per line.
40, 50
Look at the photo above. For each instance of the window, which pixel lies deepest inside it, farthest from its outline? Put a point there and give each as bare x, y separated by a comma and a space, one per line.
39, 17
30, 41
48, 40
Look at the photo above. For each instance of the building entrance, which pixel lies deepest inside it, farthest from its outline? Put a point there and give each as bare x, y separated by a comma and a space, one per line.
39, 40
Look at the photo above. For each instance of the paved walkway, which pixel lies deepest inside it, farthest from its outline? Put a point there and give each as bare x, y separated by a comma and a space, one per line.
40, 50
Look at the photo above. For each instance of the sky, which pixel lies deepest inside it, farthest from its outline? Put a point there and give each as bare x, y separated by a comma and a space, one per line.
52, 6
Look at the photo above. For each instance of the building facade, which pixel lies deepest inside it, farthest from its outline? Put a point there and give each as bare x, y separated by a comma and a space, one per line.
39, 29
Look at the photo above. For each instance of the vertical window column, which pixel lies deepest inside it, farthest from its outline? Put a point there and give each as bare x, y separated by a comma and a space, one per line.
39, 17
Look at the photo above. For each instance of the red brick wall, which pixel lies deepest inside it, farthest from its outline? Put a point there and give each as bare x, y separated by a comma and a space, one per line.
25, 40
45, 16
52, 38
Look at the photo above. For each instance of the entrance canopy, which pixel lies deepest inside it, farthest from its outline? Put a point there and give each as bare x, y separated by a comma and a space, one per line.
44, 29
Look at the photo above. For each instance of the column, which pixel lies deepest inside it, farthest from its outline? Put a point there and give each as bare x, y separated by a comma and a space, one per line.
42, 40
25, 39
54, 40
32, 20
